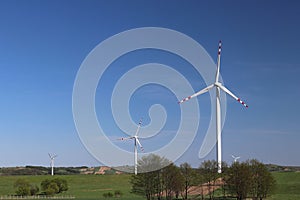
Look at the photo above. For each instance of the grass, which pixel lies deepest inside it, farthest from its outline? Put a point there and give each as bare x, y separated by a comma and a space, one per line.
85, 187
90, 187
288, 186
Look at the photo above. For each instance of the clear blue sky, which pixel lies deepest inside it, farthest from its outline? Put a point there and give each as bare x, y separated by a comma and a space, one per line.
43, 43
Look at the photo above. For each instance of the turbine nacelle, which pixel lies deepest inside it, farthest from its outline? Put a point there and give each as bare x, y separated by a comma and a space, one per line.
235, 158
52, 156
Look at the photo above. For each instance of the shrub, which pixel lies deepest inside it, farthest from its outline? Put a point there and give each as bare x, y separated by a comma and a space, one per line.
62, 184
52, 189
54, 186
34, 189
24, 188
118, 193
108, 195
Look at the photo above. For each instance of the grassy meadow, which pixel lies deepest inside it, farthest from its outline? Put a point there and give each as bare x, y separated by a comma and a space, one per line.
288, 186
88, 187
83, 187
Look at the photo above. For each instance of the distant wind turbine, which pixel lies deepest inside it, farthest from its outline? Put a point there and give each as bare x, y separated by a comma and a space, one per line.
52, 157
136, 142
235, 158
218, 87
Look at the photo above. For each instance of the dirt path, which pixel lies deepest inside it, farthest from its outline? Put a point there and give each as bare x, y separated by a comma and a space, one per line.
205, 189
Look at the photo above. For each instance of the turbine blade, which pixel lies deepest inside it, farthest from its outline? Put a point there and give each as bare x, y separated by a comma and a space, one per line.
218, 62
140, 145
138, 128
128, 138
231, 94
197, 94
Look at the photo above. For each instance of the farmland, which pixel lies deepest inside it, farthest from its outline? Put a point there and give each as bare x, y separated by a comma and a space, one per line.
80, 186
288, 186
85, 187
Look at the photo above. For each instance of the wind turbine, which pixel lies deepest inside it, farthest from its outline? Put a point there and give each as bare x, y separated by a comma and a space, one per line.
218, 87
136, 142
52, 162
235, 158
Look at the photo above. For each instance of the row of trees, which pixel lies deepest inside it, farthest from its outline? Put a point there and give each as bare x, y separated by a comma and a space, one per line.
49, 187
249, 179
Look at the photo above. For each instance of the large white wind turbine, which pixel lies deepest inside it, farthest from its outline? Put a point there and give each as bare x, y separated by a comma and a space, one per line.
235, 158
218, 87
52, 157
136, 142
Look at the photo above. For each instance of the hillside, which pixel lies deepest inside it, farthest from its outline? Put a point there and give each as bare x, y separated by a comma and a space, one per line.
39, 170
278, 168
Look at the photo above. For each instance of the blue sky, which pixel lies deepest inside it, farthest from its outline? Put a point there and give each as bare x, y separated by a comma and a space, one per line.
43, 43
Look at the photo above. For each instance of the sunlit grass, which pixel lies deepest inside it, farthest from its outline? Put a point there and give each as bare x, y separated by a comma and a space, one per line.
89, 187
81, 186
288, 186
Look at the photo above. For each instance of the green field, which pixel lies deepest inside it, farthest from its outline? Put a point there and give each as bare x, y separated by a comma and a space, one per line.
85, 187
288, 186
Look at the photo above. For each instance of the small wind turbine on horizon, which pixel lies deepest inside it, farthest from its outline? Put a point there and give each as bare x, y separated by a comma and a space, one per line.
235, 158
218, 87
136, 142
52, 157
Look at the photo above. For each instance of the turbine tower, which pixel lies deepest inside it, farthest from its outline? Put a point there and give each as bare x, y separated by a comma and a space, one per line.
218, 87
52, 162
136, 142
235, 158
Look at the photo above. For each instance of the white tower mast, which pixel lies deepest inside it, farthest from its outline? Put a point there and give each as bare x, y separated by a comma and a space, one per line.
52, 157
136, 142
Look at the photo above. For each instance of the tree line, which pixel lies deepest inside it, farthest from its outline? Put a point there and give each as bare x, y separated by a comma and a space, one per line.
241, 180
40, 170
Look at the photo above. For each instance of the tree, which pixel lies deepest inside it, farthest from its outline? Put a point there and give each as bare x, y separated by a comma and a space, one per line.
239, 180
52, 189
22, 187
208, 169
146, 184
54, 186
34, 189
189, 177
62, 184
199, 180
223, 177
173, 181
250, 179
44, 184
262, 180
149, 184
